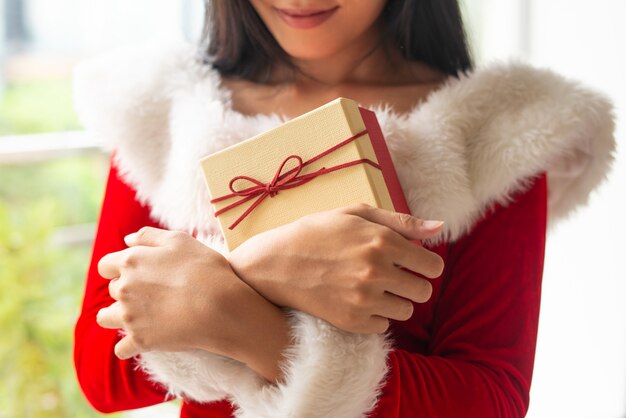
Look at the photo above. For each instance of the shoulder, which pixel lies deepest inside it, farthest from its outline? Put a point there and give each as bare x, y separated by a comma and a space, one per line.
487, 134
126, 99
131, 86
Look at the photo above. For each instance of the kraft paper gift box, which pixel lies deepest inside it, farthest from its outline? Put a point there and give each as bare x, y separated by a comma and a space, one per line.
330, 157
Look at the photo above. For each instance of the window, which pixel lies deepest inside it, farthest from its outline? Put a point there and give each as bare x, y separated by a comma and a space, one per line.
51, 182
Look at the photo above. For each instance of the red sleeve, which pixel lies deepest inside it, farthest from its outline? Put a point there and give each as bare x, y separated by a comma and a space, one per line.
480, 357
110, 384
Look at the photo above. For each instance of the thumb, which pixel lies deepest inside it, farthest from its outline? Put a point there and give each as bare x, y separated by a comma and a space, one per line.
147, 236
409, 226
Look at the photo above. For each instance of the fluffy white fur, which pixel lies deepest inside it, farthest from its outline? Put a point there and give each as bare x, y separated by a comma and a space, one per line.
199, 375
328, 373
474, 142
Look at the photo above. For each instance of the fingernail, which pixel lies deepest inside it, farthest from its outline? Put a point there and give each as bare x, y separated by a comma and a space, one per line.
431, 225
130, 238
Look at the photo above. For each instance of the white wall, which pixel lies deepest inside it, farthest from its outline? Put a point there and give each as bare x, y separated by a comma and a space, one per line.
581, 366
580, 369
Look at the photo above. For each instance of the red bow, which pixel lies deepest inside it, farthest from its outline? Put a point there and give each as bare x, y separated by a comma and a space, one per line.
287, 180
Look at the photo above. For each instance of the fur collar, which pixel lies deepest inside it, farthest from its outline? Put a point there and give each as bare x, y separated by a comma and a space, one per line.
474, 142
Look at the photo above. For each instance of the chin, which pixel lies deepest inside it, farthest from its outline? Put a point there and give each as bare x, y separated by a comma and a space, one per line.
319, 29
310, 50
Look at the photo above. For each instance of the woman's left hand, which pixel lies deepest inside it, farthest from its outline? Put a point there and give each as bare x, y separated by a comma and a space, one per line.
173, 293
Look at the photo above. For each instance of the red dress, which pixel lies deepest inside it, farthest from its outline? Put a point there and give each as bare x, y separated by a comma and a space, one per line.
468, 352
505, 133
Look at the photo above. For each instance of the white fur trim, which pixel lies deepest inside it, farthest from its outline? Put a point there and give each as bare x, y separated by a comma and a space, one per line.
475, 141
483, 137
198, 375
328, 373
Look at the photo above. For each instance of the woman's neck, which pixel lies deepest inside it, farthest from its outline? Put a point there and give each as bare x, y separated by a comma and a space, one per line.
367, 71
367, 62
362, 62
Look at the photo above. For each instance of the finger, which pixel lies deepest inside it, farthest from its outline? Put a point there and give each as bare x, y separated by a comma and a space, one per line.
110, 266
126, 348
417, 259
110, 317
394, 307
408, 286
410, 227
114, 288
148, 236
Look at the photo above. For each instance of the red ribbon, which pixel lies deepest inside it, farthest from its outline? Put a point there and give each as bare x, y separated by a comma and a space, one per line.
287, 180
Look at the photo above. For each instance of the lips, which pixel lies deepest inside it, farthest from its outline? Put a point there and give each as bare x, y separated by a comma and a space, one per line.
305, 18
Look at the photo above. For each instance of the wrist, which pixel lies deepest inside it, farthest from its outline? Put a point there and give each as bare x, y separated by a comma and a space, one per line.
240, 265
263, 340
258, 266
254, 332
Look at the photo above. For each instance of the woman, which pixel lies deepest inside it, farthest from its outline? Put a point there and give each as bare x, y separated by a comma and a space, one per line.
475, 149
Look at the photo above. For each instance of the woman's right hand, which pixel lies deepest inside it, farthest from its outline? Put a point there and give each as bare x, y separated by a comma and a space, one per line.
341, 265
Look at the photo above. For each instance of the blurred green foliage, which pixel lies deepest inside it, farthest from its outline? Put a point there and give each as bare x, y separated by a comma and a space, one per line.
41, 278
41, 283
37, 106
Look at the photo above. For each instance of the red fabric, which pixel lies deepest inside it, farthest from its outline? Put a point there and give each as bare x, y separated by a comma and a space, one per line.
468, 352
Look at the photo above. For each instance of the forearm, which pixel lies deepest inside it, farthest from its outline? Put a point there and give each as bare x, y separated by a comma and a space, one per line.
259, 273
260, 335
447, 387
263, 339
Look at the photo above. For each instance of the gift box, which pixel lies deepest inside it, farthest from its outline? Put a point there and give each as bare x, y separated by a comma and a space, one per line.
330, 157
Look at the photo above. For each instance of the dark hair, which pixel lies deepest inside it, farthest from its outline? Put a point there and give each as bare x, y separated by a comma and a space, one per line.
236, 42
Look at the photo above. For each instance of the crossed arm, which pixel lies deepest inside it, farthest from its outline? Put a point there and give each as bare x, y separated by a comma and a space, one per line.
367, 306
209, 295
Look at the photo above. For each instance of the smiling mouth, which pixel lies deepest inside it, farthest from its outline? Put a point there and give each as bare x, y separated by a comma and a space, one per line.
305, 19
